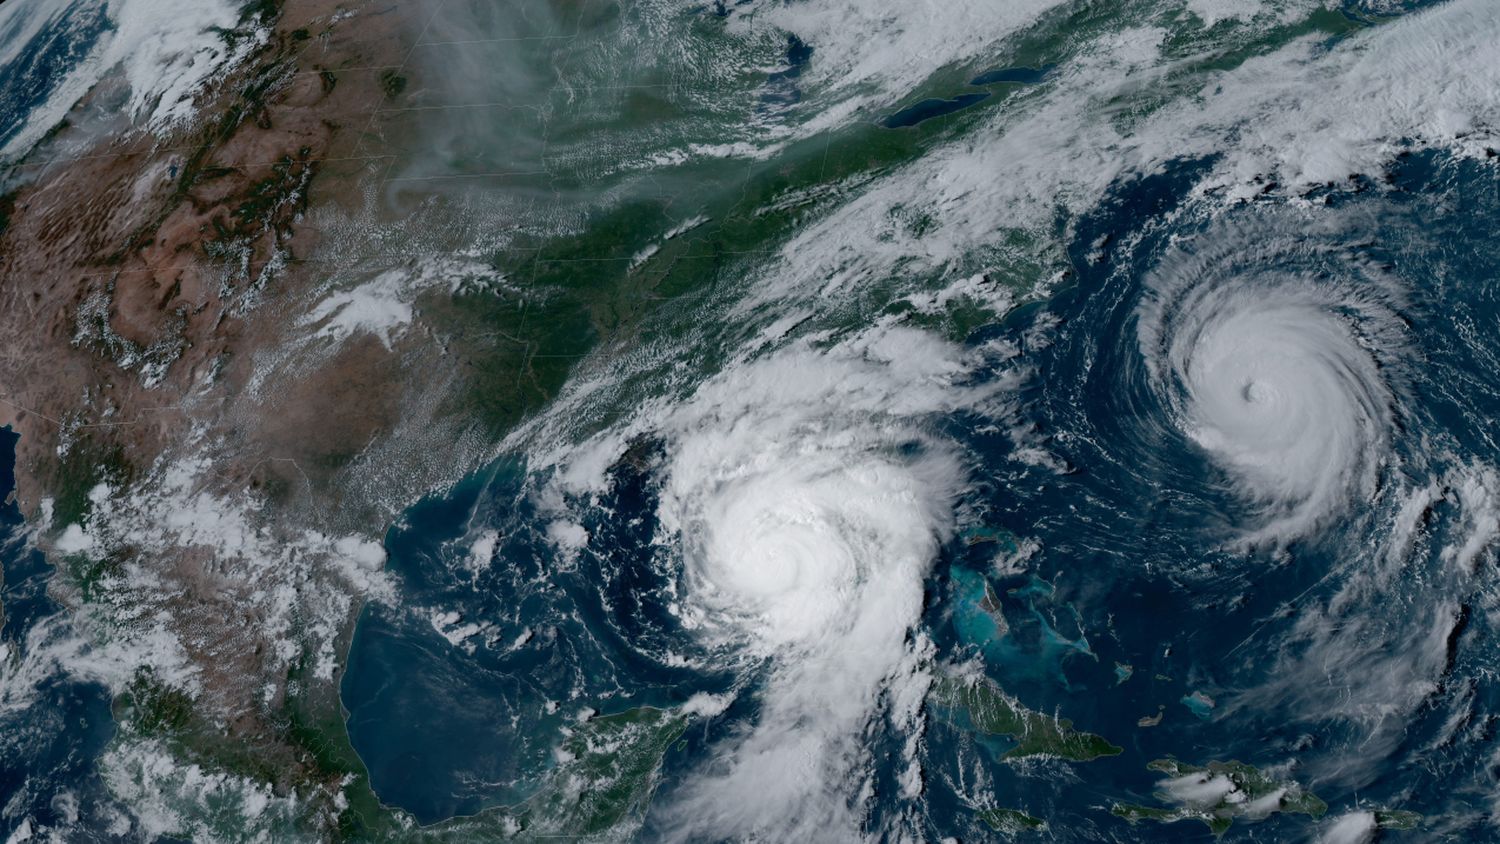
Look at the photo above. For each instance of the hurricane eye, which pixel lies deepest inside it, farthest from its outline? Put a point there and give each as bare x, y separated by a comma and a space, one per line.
1272, 372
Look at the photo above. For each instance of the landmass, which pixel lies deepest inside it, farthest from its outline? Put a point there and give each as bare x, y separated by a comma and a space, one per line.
1011, 821
981, 706
214, 433
1220, 793
1152, 720
1396, 819
605, 774
236, 350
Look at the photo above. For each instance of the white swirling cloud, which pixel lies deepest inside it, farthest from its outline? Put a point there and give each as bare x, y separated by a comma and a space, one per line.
809, 503
805, 498
1279, 374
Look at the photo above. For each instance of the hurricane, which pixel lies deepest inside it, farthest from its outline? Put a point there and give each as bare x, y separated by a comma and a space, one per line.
804, 499
796, 533
755, 421
1274, 355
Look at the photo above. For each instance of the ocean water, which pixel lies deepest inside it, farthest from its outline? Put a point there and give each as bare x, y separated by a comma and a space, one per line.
1344, 649
53, 724
1228, 488
450, 729
1115, 565
40, 45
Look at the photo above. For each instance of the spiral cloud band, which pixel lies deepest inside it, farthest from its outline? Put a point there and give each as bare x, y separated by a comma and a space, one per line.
808, 504
1279, 376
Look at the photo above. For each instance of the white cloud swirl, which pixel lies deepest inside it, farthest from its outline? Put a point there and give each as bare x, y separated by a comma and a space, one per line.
809, 504
805, 497
1280, 375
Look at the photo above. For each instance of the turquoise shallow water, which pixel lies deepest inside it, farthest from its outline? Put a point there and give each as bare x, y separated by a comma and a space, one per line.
1135, 604
1099, 570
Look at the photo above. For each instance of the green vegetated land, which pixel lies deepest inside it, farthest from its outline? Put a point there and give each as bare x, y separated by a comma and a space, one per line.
983, 707
1223, 792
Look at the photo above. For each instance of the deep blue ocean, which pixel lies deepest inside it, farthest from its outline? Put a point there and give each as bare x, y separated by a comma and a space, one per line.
1104, 584
1135, 602
43, 62
53, 726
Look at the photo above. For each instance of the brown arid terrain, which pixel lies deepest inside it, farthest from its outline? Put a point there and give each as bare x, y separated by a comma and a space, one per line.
214, 476
768, 420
